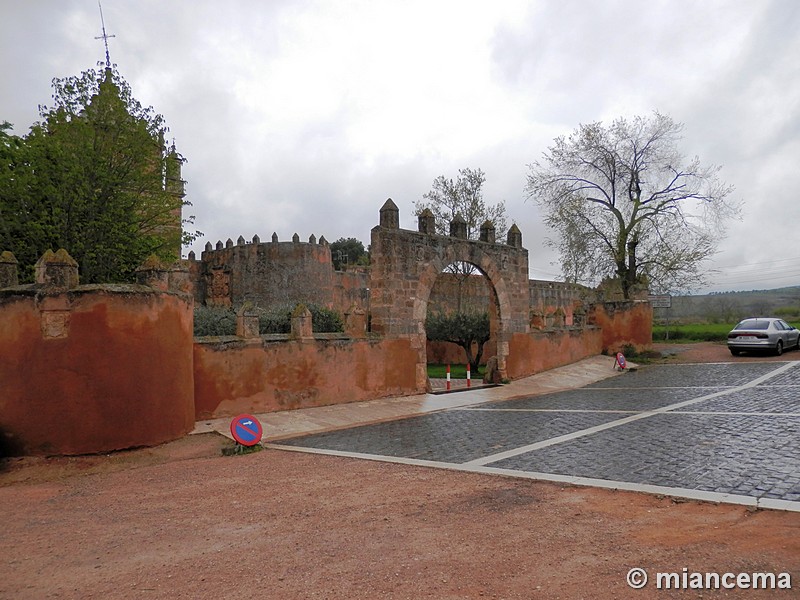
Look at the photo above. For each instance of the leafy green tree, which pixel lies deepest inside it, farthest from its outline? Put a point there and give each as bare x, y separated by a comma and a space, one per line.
462, 328
95, 177
625, 203
10, 155
348, 251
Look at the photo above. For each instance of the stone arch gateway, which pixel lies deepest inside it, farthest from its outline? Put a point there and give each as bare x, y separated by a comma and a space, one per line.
406, 264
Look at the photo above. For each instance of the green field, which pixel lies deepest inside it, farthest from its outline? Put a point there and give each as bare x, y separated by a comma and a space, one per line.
697, 332
456, 372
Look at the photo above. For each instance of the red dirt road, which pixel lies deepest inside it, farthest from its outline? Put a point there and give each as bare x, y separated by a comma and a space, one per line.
182, 521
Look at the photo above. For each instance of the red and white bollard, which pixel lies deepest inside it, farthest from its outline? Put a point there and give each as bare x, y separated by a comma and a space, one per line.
469, 380
448, 378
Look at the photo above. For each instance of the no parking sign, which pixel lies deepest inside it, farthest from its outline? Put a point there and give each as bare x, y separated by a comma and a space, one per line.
246, 430
620, 361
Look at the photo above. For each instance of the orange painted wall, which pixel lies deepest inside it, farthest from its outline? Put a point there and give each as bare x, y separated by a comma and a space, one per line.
542, 350
233, 377
623, 324
121, 376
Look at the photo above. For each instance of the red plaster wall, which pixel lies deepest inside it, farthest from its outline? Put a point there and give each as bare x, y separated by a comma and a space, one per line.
624, 323
122, 376
263, 376
539, 351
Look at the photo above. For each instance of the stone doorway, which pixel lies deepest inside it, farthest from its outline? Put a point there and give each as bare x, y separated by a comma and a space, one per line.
406, 265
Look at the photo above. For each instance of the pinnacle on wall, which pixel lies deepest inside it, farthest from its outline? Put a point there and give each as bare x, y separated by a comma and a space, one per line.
390, 215
8, 270
57, 269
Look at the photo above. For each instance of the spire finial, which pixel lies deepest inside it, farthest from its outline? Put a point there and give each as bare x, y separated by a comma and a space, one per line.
105, 36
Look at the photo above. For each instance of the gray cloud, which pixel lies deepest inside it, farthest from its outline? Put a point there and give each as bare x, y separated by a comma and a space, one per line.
305, 116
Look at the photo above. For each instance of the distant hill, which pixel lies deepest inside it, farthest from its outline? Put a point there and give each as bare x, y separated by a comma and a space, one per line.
728, 307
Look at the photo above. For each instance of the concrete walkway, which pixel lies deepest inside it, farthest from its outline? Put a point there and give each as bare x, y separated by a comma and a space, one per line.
284, 424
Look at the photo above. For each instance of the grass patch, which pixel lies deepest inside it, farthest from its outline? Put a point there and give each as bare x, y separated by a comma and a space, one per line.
240, 449
456, 372
696, 332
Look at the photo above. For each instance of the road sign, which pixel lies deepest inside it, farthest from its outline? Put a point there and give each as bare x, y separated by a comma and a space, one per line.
246, 430
620, 361
663, 301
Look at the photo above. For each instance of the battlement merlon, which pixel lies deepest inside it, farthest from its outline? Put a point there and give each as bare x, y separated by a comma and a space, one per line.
390, 221
211, 250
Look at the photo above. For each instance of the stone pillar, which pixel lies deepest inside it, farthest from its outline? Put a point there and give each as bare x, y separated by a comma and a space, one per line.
57, 270
390, 215
153, 273
458, 227
247, 321
487, 232
8, 270
427, 222
301, 323
355, 322
514, 237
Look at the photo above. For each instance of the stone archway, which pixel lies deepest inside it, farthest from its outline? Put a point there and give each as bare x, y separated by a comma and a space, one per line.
406, 264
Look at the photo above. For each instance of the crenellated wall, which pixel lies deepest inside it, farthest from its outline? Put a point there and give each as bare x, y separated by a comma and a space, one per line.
268, 274
96, 368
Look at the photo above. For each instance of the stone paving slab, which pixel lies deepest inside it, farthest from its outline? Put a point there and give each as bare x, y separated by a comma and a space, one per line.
760, 399
726, 431
457, 436
602, 399
735, 454
690, 375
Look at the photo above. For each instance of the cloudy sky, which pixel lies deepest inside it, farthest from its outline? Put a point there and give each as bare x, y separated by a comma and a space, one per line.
305, 116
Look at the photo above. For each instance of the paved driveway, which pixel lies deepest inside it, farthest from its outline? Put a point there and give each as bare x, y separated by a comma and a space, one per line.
725, 432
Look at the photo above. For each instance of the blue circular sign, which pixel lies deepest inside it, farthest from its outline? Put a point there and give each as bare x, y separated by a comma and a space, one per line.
246, 430
621, 360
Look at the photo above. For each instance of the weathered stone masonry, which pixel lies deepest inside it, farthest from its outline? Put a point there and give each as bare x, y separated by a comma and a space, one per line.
96, 368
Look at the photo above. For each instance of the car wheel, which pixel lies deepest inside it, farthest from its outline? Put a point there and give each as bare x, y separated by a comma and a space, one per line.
734, 351
779, 348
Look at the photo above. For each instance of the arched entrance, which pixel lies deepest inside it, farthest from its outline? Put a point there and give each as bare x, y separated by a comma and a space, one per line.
405, 265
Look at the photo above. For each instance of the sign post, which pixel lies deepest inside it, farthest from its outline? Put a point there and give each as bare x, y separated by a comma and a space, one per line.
246, 430
662, 301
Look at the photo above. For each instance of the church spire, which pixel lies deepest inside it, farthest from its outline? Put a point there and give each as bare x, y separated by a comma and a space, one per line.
105, 36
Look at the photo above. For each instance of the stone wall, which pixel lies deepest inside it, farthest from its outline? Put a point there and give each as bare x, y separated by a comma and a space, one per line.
267, 274
233, 376
558, 304
623, 323
542, 350
405, 266
94, 368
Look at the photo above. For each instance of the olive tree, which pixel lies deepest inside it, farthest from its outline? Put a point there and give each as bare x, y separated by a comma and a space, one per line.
625, 203
468, 330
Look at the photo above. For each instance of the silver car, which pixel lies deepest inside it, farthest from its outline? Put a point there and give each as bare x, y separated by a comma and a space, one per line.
763, 333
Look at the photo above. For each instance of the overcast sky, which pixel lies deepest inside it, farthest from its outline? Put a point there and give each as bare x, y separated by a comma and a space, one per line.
305, 116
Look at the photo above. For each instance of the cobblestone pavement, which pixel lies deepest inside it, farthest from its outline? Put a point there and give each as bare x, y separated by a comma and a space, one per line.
725, 431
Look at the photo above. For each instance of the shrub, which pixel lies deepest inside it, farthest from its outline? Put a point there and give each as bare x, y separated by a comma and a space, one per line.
218, 320
274, 320
214, 320
325, 320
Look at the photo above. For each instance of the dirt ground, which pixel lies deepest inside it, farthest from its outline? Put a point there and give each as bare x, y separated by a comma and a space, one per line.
183, 521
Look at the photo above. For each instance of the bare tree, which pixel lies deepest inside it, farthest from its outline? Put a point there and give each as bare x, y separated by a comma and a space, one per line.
624, 202
464, 197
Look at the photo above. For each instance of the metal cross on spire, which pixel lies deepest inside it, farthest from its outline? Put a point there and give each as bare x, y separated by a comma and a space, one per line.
105, 36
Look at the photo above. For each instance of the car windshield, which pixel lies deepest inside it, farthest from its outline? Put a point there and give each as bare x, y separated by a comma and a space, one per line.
753, 324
